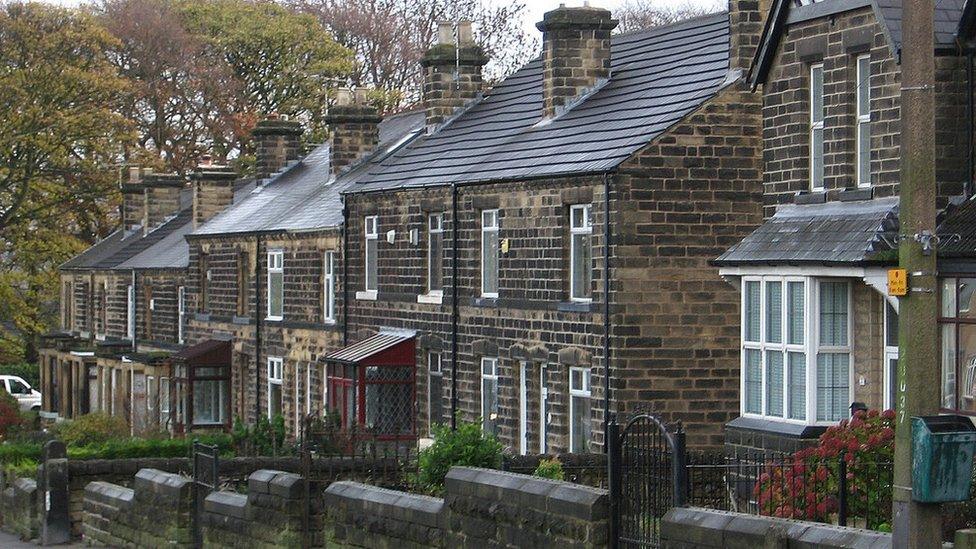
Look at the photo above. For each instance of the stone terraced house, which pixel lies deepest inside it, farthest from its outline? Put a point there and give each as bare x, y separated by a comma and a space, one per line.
453, 259
819, 330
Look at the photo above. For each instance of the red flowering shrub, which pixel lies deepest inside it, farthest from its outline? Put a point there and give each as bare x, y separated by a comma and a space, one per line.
10, 417
806, 486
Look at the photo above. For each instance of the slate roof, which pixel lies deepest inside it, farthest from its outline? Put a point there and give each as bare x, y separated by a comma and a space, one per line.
658, 77
948, 17
301, 197
836, 233
960, 221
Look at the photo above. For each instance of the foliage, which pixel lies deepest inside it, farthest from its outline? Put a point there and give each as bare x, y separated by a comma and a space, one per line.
88, 429
25, 468
14, 453
265, 438
10, 417
466, 446
635, 15
806, 485
550, 468
29, 372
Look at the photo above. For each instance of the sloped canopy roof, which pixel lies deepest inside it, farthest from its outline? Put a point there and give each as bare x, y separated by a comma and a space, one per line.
836, 233
658, 76
384, 348
212, 352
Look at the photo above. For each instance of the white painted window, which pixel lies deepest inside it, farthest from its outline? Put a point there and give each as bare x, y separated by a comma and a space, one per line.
210, 397
130, 312
580, 252
372, 252
164, 405
864, 121
435, 254
150, 393
891, 355
543, 410
114, 395
296, 402
796, 348
328, 287
180, 314
489, 395
523, 408
817, 127
276, 284
580, 425
435, 390
489, 253
275, 367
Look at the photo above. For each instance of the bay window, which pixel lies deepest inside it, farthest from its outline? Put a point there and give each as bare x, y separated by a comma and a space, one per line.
580, 252
489, 253
957, 328
816, 127
795, 348
276, 285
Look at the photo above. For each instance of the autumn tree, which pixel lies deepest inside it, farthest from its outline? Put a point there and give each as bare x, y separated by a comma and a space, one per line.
61, 139
390, 36
637, 15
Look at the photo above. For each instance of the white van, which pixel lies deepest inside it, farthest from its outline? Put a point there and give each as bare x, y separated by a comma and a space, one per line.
27, 397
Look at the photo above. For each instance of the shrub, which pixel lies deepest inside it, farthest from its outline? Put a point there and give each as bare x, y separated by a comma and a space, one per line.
550, 468
266, 438
10, 418
25, 468
94, 428
806, 486
466, 446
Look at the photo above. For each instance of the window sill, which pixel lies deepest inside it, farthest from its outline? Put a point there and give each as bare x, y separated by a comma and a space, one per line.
575, 306
817, 196
484, 302
433, 299
201, 317
368, 295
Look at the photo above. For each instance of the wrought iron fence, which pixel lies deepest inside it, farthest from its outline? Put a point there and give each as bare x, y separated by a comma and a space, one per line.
844, 490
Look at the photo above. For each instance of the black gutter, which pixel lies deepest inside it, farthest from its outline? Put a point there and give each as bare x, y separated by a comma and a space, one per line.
345, 274
135, 311
968, 191
257, 327
454, 304
606, 309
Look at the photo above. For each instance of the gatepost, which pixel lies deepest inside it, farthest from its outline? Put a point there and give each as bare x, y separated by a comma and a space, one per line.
53, 501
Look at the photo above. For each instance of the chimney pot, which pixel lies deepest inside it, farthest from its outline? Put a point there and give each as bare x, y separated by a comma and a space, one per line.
465, 35
361, 96
445, 33
134, 174
343, 97
206, 160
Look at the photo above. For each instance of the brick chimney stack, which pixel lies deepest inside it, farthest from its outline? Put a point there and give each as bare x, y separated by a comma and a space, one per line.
452, 75
353, 129
162, 198
213, 189
133, 198
277, 142
575, 54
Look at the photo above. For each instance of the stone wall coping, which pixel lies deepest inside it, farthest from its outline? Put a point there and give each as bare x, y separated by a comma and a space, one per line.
25, 485
259, 482
108, 493
287, 485
230, 504
554, 496
693, 526
166, 485
404, 506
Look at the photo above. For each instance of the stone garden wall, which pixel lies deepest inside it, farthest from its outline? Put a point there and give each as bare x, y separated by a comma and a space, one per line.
19, 508
270, 515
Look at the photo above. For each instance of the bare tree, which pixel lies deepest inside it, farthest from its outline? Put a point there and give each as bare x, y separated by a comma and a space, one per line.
637, 15
389, 37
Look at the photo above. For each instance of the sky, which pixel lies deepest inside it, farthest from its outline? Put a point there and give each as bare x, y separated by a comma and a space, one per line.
536, 8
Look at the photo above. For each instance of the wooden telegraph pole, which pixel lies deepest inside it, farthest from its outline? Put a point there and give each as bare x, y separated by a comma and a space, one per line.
916, 525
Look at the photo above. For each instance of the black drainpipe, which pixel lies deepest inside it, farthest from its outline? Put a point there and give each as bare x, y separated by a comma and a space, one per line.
135, 312
969, 125
454, 304
257, 328
345, 273
606, 308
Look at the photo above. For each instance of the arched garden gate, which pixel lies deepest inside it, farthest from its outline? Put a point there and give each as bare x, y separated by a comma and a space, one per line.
647, 477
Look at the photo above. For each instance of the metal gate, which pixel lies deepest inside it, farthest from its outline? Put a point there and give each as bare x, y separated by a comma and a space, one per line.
205, 480
647, 477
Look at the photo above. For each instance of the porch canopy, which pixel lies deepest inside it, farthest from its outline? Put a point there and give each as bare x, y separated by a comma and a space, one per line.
371, 385
202, 374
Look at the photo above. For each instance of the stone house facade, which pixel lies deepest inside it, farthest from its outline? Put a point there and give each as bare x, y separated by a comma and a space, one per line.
453, 260
818, 328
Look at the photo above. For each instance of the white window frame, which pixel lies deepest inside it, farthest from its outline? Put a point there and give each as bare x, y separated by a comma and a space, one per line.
890, 353
180, 314
308, 388
276, 367
328, 287
493, 361
150, 381
816, 125
431, 371
585, 229
298, 408
435, 225
164, 407
130, 311
486, 229
810, 347
371, 233
543, 409
523, 408
585, 390
863, 120
276, 266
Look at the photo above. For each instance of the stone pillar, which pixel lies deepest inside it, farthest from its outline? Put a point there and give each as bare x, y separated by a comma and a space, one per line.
213, 190
53, 478
452, 76
353, 129
575, 54
162, 199
277, 142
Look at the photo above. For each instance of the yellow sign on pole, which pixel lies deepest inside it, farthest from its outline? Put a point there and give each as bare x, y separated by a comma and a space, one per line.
897, 282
